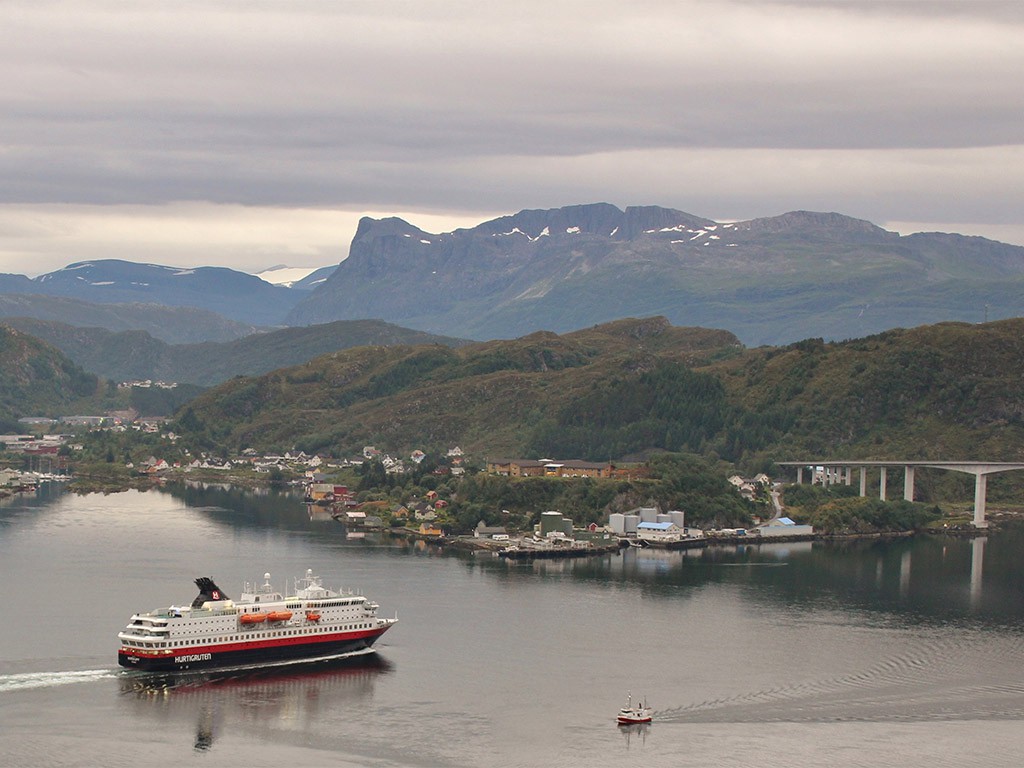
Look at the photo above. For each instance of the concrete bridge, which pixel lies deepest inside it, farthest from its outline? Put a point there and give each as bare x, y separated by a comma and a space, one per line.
835, 472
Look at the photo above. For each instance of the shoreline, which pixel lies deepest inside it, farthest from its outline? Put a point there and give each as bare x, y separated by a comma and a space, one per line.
997, 519
472, 545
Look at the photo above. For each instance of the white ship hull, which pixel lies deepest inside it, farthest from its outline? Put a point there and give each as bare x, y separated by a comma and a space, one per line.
263, 627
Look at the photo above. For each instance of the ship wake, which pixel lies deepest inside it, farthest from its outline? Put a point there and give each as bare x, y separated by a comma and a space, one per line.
942, 681
28, 680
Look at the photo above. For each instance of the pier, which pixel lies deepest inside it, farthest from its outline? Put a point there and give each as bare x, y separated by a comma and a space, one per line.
834, 472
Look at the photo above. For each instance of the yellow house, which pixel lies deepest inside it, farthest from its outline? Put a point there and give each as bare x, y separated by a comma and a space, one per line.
548, 468
429, 529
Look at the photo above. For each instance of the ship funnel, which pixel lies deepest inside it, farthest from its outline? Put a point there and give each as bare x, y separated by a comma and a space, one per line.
207, 591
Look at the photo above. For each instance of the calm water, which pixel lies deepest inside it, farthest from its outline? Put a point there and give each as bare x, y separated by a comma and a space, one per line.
902, 654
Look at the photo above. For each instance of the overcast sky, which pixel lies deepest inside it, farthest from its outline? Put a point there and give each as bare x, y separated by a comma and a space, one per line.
249, 134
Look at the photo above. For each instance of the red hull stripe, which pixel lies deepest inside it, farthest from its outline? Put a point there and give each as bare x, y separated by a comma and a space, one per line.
251, 645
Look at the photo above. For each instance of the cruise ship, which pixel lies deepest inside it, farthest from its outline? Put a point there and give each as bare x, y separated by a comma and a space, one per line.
261, 627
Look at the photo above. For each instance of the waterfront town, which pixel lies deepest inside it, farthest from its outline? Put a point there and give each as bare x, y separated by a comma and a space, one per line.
45, 457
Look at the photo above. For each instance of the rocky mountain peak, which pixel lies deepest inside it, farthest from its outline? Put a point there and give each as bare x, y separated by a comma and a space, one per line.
392, 226
833, 225
600, 219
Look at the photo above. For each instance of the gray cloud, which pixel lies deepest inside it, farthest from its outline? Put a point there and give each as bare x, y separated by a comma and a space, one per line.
891, 111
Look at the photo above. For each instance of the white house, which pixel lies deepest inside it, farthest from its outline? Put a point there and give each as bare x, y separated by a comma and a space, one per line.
659, 533
783, 526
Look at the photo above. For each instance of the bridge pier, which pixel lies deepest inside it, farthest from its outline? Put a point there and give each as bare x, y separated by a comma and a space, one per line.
908, 484
863, 481
980, 491
881, 483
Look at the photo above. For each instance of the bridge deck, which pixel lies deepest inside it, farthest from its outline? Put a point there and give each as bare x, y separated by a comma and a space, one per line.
980, 469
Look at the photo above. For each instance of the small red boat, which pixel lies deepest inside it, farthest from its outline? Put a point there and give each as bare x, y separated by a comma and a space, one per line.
630, 715
253, 618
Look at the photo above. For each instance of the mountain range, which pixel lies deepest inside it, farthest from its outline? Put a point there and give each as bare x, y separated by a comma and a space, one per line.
769, 280
234, 295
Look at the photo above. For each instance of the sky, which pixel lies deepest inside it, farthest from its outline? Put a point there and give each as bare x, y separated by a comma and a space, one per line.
256, 133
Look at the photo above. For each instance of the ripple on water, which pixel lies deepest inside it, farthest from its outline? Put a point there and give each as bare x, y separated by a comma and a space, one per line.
952, 676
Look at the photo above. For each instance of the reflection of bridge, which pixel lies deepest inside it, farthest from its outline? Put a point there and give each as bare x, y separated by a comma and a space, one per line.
835, 472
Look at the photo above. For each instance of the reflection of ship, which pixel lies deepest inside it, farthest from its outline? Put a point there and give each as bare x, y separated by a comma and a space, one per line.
636, 730
263, 627
293, 697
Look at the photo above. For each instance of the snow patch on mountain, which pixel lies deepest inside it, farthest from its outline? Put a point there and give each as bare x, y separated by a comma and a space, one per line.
283, 275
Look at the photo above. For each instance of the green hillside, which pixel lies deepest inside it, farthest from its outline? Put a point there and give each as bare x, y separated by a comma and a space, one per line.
136, 354
489, 397
171, 324
36, 379
634, 386
940, 391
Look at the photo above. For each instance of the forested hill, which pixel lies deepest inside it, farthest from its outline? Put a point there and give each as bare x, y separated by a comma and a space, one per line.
36, 379
138, 355
172, 325
633, 386
951, 390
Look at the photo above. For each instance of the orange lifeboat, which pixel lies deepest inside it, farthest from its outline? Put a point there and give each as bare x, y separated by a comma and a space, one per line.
312, 617
253, 618
279, 615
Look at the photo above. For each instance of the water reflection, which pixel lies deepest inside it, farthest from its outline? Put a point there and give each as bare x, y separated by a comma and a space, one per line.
292, 697
635, 732
930, 578
977, 563
927, 576
905, 573
924, 577
319, 514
